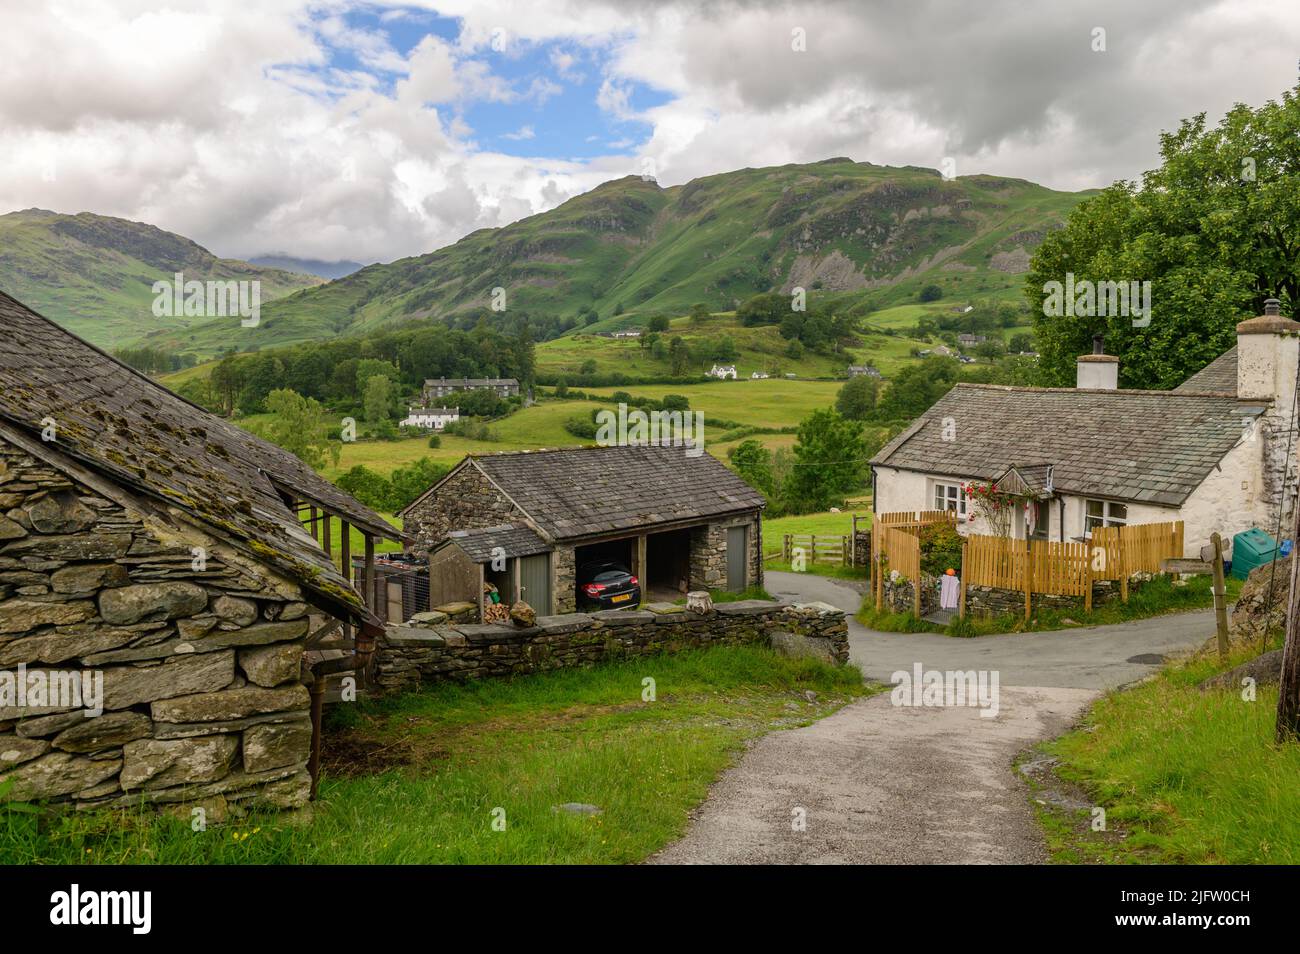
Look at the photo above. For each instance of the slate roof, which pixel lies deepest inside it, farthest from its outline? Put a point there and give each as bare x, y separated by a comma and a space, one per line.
1152, 447
517, 540
586, 491
1219, 376
119, 423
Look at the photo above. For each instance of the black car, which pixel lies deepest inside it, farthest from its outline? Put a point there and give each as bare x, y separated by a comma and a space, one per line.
608, 585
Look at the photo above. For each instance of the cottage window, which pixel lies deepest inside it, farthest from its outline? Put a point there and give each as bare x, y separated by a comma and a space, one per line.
1103, 513
950, 497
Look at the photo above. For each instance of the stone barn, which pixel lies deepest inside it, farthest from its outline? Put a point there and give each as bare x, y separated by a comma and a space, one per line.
677, 522
158, 590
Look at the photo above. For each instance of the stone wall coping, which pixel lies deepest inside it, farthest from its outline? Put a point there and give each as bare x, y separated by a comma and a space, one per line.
398, 635
623, 617
480, 633
749, 607
819, 607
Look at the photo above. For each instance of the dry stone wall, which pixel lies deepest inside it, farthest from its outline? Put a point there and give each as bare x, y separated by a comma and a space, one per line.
467, 501
410, 656
197, 655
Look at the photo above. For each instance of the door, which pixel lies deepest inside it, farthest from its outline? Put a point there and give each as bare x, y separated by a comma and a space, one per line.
737, 557
535, 582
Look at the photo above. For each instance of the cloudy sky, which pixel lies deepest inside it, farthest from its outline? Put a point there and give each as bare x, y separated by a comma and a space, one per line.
370, 131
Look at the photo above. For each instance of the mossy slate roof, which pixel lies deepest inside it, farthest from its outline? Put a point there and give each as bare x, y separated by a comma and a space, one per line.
1152, 447
587, 491
117, 422
516, 540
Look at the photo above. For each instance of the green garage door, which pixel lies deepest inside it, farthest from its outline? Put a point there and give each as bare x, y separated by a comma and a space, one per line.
737, 552
535, 582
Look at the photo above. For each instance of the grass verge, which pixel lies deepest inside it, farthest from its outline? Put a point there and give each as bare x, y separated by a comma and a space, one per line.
1186, 776
420, 777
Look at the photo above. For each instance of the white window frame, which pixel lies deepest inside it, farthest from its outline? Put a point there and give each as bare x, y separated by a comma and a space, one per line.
941, 487
1107, 518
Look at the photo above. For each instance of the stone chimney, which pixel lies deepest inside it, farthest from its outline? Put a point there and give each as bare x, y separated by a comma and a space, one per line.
1098, 371
1267, 351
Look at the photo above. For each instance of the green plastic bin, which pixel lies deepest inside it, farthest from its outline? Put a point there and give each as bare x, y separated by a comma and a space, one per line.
1251, 548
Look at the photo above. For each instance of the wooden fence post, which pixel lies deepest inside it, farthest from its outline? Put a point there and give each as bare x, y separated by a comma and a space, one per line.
1220, 600
1123, 570
961, 601
1087, 578
1029, 575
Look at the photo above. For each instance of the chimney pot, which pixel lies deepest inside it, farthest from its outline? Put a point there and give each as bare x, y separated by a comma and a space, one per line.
1098, 344
1272, 306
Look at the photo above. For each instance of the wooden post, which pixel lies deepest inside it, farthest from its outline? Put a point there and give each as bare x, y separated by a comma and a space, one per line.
1123, 570
345, 549
326, 542
369, 573
787, 549
314, 535
961, 604
1087, 577
812, 549
1029, 576
1220, 599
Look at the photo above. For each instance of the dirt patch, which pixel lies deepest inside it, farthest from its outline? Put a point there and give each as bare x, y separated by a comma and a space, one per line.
354, 754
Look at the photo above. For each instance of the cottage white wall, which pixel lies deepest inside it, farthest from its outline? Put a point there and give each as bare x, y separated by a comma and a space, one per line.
1230, 500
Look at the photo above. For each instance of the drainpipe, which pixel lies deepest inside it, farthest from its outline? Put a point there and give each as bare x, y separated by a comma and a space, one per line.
1061, 515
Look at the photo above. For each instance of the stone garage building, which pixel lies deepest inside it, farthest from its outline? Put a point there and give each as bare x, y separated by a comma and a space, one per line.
678, 522
154, 549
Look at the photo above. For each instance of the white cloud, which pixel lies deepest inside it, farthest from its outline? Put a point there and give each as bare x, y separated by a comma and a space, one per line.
243, 133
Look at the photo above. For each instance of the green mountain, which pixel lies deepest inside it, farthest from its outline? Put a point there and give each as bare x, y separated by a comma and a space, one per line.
629, 249
94, 274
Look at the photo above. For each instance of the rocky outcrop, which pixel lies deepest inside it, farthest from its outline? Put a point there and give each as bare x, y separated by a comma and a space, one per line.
1263, 601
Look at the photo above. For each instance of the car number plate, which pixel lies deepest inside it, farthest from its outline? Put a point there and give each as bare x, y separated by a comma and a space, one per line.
619, 599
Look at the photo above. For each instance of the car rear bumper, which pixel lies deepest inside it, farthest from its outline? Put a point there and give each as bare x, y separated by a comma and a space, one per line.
625, 600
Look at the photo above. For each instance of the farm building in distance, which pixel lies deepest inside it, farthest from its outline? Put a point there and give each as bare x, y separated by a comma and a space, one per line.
678, 522
149, 544
435, 389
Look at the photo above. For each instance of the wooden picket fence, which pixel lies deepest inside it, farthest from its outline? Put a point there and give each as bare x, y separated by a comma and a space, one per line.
895, 541
1069, 569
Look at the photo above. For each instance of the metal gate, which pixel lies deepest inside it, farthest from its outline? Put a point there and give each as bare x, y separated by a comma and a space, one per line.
535, 582
737, 557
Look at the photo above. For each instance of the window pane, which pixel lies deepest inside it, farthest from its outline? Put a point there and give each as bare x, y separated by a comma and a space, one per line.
1095, 508
1119, 511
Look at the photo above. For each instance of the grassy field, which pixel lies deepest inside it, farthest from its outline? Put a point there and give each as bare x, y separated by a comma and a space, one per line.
1186, 776
420, 778
769, 403
357, 539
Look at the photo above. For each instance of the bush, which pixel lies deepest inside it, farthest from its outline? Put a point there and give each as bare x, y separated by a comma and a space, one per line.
435, 440
931, 293
940, 548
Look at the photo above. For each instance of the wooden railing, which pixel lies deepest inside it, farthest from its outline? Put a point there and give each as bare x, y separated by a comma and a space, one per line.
1141, 548
819, 548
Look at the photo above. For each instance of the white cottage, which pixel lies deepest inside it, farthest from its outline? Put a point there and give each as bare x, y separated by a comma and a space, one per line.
1213, 452
723, 371
430, 418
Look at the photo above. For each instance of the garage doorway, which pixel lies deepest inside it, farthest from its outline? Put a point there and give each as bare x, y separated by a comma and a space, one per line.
668, 565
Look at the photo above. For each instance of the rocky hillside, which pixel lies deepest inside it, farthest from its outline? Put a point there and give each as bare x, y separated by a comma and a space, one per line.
94, 274
629, 249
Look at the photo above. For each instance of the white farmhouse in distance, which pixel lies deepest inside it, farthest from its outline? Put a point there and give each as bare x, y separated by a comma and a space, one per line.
430, 418
723, 371
758, 375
